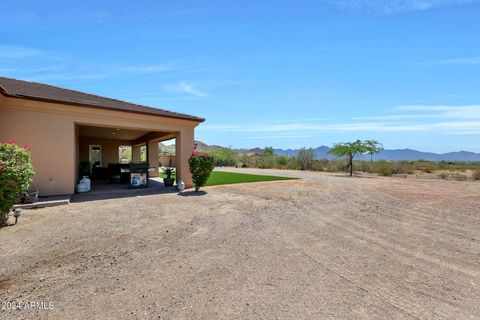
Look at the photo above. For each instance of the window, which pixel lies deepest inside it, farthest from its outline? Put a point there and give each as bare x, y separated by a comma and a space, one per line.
124, 154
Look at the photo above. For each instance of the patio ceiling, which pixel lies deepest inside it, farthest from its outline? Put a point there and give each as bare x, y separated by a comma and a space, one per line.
112, 133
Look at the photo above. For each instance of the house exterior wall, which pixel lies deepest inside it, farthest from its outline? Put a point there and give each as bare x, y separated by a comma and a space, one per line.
50, 131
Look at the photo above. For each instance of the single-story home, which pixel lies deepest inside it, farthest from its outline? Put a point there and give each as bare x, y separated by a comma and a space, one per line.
65, 128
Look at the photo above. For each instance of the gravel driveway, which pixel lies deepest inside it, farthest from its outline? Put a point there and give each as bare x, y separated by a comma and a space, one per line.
323, 247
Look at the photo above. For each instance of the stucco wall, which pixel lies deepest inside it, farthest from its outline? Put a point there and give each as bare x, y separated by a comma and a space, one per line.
49, 129
52, 144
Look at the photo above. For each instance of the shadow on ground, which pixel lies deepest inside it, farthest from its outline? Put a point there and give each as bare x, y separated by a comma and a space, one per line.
192, 193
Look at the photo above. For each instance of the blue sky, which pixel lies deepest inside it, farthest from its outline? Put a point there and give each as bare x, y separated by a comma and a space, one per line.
267, 73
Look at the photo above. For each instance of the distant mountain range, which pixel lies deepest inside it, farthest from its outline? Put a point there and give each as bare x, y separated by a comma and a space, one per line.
322, 153
398, 154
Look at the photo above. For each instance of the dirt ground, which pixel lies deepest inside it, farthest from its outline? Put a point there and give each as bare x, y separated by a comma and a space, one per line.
323, 247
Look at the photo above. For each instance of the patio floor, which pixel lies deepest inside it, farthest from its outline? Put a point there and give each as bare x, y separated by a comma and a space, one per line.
105, 190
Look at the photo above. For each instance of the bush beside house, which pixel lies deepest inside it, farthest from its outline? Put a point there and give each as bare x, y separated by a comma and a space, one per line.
16, 173
201, 166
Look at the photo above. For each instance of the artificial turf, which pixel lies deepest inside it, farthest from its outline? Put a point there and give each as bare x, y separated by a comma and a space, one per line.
219, 177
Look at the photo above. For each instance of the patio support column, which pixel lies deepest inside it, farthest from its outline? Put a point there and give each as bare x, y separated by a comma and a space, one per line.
152, 146
136, 153
183, 150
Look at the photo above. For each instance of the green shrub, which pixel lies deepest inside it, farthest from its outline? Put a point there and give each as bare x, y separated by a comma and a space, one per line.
16, 173
225, 157
201, 166
293, 164
281, 162
266, 162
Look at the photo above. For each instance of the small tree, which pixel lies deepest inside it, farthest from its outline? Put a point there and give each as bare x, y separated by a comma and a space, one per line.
267, 160
373, 146
305, 158
224, 157
350, 150
16, 174
268, 152
201, 166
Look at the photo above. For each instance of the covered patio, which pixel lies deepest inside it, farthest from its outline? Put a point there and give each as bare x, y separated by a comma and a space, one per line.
108, 154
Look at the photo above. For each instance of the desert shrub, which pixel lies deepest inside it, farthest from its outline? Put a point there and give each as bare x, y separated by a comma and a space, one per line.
246, 161
476, 174
201, 166
364, 166
426, 166
458, 177
401, 167
385, 168
266, 162
336, 165
443, 175
16, 173
281, 162
386, 173
224, 157
305, 158
317, 165
293, 164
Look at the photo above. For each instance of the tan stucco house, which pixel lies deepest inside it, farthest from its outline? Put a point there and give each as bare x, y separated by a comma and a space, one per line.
65, 127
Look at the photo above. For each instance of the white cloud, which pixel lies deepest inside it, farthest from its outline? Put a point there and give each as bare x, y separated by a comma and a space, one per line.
463, 119
290, 136
466, 61
155, 68
446, 112
42, 65
15, 53
394, 6
185, 87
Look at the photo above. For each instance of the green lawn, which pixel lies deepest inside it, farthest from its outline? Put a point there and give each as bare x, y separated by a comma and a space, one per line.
219, 177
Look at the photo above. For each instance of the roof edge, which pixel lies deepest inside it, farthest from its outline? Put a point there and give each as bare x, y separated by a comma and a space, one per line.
86, 105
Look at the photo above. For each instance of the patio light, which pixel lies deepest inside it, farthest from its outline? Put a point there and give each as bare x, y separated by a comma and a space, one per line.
16, 214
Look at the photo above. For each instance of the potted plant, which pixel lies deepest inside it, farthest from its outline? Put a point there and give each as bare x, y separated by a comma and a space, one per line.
85, 169
168, 181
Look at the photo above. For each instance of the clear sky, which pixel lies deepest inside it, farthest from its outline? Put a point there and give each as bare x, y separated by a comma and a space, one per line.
280, 73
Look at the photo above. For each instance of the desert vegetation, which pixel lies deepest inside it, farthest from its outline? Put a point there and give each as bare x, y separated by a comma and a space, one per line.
346, 161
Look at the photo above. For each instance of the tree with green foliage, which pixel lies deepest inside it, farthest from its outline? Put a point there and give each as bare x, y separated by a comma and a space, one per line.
16, 173
201, 166
350, 150
305, 157
373, 147
268, 159
224, 157
268, 152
